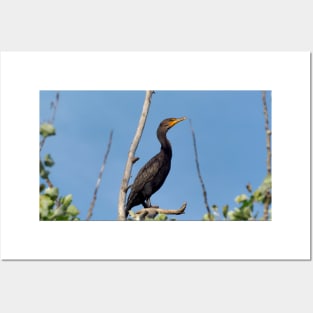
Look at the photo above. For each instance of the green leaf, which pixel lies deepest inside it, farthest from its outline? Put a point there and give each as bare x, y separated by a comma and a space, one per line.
208, 217
240, 215
262, 192
67, 200
249, 187
47, 129
59, 211
52, 192
214, 207
45, 202
230, 215
225, 210
246, 213
237, 215
268, 181
61, 217
42, 187
205, 217
43, 172
161, 217
241, 198
48, 160
258, 195
44, 212
72, 210
45, 205
247, 203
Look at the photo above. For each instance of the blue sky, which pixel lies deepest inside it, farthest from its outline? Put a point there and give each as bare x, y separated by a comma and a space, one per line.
229, 128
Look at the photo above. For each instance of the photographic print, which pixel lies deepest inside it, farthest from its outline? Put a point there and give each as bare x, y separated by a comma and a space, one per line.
155, 156
113, 155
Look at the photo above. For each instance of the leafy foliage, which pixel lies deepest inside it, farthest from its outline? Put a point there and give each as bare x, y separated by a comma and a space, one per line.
52, 206
46, 130
244, 211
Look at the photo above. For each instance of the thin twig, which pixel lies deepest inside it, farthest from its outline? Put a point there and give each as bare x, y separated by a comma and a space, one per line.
53, 106
198, 169
131, 155
93, 201
268, 154
153, 211
49, 183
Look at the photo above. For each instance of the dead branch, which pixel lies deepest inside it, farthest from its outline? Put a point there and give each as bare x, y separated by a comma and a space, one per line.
53, 106
131, 155
49, 183
93, 201
135, 159
154, 211
198, 170
267, 202
268, 134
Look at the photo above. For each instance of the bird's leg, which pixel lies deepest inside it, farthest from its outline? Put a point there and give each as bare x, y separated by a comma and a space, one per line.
149, 205
145, 205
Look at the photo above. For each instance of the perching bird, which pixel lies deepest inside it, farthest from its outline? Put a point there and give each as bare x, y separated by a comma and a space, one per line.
153, 174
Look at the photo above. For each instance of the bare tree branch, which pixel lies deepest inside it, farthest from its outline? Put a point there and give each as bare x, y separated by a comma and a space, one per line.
268, 134
93, 201
49, 183
154, 211
267, 202
53, 106
131, 155
198, 170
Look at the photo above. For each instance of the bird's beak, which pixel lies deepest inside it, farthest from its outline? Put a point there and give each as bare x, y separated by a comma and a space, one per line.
177, 120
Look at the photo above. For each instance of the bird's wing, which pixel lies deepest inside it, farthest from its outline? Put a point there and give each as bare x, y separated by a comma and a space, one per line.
148, 172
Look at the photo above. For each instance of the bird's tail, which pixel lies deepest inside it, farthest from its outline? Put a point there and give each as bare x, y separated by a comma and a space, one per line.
127, 209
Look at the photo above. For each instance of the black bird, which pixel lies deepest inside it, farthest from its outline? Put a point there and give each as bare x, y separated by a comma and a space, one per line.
153, 174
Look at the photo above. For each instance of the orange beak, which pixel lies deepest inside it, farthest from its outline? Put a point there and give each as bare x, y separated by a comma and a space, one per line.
176, 121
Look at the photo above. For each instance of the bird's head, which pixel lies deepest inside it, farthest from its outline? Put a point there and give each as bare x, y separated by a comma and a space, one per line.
170, 122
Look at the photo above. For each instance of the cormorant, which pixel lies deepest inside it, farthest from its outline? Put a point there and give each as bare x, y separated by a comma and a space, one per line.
153, 174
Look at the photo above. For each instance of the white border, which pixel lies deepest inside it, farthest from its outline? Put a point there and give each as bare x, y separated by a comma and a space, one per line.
287, 74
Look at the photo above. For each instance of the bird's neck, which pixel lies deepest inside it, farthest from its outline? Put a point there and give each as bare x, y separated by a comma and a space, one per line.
166, 147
